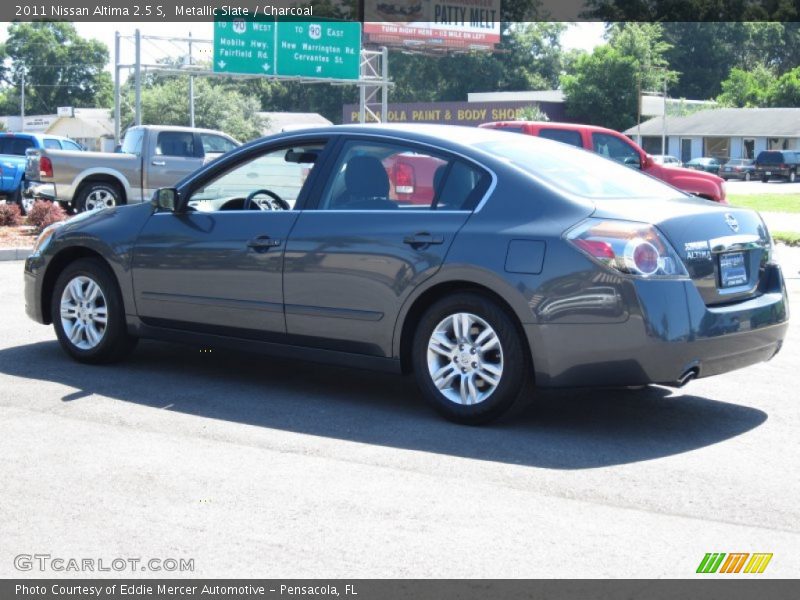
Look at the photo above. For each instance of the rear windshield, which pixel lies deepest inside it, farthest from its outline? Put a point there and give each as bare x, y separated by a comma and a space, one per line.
15, 146
770, 158
566, 136
578, 171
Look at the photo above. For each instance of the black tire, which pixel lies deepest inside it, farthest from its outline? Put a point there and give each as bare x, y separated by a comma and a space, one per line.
15, 197
115, 342
763, 179
517, 373
93, 194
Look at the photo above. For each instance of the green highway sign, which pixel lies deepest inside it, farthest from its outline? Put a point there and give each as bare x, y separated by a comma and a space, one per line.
329, 49
322, 49
244, 46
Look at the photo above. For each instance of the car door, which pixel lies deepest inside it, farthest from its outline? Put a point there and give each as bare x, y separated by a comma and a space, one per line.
173, 156
215, 266
367, 239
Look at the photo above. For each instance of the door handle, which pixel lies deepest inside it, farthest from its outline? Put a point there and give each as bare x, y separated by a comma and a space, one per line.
263, 243
159, 163
423, 240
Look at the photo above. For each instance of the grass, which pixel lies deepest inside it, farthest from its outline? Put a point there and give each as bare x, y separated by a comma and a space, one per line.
786, 203
790, 238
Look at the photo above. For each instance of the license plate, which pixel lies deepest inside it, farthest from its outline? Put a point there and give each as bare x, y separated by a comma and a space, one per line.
727, 168
732, 271
768, 173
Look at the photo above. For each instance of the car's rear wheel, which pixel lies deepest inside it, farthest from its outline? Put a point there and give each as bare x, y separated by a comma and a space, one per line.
469, 359
94, 196
88, 315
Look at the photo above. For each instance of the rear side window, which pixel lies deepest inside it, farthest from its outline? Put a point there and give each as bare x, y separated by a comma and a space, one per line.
70, 145
52, 144
573, 138
15, 146
132, 144
175, 143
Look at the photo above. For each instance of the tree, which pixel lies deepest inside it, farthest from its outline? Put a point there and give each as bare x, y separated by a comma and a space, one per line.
602, 88
533, 112
167, 103
785, 92
60, 67
747, 89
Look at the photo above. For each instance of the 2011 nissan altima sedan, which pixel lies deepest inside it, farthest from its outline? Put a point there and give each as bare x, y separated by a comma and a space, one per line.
532, 262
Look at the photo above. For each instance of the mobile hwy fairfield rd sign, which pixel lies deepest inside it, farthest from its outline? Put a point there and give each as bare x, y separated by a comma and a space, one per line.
322, 49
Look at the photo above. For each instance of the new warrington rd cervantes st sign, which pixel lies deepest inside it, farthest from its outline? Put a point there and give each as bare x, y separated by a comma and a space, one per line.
323, 49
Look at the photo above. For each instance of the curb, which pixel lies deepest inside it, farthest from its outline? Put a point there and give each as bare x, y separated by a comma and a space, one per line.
14, 253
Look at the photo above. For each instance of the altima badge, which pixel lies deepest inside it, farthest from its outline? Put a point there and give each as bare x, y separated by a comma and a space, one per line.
732, 222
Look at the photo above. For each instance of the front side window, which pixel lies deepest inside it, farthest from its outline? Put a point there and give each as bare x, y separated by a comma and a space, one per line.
280, 173
614, 148
175, 143
215, 144
377, 176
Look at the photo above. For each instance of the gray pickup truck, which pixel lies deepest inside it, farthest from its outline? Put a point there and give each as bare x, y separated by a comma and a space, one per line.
150, 157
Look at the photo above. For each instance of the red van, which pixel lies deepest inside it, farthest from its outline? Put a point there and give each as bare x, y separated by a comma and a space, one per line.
613, 144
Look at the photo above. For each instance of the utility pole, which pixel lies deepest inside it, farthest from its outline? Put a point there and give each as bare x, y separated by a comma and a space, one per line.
664, 118
191, 85
22, 100
137, 77
117, 99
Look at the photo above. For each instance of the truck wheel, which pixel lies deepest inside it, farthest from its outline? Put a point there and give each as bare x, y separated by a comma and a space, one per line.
792, 176
763, 179
747, 177
94, 196
17, 198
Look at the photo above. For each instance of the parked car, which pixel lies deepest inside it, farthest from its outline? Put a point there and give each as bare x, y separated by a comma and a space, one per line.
533, 262
709, 164
13, 147
616, 146
667, 160
780, 164
150, 157
738, 168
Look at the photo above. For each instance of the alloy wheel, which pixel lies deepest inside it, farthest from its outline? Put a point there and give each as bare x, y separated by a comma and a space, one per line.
100, 198
84, 312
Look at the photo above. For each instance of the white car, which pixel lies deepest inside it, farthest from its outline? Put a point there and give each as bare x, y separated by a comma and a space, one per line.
667, 160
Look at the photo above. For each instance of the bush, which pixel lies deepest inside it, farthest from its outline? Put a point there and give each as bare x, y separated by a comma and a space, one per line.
10, 215
44, 213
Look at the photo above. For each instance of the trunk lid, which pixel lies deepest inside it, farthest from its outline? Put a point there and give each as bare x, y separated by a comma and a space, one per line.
724, 248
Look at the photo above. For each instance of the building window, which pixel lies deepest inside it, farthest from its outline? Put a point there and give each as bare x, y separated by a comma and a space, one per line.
777, 144
748, 148
717, 147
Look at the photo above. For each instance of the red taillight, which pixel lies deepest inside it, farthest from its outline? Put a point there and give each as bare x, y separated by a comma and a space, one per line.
596, 248
643, 256
45, 167
403, 178
783, 166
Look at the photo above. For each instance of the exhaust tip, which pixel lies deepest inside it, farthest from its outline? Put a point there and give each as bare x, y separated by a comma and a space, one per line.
686, 377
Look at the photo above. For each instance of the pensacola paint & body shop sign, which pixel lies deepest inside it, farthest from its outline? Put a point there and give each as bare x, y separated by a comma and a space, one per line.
473, 24
457, 113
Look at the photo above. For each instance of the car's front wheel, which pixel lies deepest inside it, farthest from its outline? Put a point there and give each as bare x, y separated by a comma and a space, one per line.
88, 314
469, 359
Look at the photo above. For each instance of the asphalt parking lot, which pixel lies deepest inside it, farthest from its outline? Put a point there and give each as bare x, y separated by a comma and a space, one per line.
273, 468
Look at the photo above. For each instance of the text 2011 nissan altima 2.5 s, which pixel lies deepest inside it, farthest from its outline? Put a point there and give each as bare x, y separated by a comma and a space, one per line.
532, 262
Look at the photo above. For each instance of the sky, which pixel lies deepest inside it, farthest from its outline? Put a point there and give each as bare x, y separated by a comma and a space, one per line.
583, 36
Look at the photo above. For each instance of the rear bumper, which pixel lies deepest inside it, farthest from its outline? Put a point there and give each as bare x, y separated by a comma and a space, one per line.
773, 172
670, 333
38, 190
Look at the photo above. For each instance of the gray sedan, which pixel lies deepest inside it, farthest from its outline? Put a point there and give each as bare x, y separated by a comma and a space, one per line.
484, 264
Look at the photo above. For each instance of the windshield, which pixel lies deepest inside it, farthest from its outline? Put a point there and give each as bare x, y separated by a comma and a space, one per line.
15, 146
578, 172
770, 158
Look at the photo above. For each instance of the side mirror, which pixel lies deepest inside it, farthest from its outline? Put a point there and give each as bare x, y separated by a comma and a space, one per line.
166, 199
633, 161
